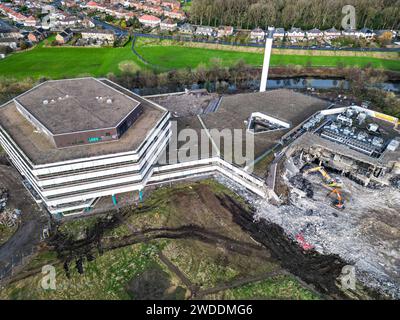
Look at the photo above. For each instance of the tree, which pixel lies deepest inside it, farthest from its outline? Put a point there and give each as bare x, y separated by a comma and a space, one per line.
385, 38
306, 14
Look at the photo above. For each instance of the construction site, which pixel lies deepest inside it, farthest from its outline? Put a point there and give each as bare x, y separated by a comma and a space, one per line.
337, 191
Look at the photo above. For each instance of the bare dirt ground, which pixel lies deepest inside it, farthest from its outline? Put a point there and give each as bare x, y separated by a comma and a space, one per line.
189, 231
23, 242
184, 105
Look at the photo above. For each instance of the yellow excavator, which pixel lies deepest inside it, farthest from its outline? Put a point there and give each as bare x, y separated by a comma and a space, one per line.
330, 182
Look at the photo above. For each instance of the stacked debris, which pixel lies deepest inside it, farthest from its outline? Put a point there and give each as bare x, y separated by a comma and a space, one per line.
395, 181
10, 218
304, 185
3, 198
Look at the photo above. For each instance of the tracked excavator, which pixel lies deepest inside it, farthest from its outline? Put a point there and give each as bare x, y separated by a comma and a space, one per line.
330, 182
333, 184
339, 202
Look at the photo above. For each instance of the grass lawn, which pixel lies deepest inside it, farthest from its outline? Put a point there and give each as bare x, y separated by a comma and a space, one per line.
178, 56
60, 62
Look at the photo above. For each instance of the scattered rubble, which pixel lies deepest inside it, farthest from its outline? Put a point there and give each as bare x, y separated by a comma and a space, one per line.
3, 198
366, 234
395, 181
303, 184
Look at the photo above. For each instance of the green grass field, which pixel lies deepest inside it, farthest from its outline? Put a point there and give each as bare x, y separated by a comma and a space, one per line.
176, 56
61, 62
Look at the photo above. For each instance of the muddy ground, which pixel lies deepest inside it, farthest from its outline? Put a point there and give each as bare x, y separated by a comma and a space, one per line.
23, 243
197, 233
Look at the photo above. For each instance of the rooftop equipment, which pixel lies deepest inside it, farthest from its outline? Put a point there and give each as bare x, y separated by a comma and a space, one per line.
345, 120
373, 127
393, 145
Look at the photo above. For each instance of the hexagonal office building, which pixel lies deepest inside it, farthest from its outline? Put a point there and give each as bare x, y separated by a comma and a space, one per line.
80, 139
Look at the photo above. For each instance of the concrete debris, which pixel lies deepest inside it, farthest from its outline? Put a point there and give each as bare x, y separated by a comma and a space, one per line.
366, 233
10, 218
395, 181
303, 184
3, 198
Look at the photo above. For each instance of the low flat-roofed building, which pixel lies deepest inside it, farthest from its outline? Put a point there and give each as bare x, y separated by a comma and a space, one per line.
235, 111
349, 146
67, 176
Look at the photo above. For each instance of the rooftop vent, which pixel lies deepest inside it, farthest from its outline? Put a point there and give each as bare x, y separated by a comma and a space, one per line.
109, 101
45, 101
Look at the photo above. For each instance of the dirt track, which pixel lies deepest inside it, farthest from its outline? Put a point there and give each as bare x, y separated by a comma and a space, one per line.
27, 237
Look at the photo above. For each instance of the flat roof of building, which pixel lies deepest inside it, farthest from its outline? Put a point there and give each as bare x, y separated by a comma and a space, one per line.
283, 104
73, 105
41, 151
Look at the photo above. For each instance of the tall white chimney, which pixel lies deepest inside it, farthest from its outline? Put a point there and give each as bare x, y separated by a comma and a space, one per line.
267, 56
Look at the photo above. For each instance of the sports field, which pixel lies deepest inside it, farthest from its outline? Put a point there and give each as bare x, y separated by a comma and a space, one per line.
61, 62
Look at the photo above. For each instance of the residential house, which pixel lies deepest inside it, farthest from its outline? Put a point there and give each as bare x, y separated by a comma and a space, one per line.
10, 33
175, 14
314, 34
351, 33
64, 36
173, 4
37, 35
157, 10
296, 34
9, 42
367, 33
332, 33
16, 16
186, 28
149, 21
134, 4
154, 2
204, 31
124, 14
225, 31
279, 33
257, 34
98, 35
30, 21
69, 20
94, 6
168, 25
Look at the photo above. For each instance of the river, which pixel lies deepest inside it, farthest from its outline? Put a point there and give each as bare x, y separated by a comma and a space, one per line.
289, 83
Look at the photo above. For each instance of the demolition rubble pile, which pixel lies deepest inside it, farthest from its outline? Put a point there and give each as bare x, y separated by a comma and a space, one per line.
366, 234
8, 217
3, 198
